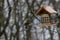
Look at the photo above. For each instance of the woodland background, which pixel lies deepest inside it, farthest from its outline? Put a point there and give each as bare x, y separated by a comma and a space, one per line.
14, 14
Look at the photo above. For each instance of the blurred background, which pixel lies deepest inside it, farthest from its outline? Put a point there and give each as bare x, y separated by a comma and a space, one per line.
19, 22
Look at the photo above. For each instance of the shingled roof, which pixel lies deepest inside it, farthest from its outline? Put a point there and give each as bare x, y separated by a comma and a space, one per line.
46, 9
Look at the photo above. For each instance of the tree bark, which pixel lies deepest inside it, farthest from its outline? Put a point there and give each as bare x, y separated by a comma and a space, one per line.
7, 21
51, 34
6, 37
59, 35
28, 32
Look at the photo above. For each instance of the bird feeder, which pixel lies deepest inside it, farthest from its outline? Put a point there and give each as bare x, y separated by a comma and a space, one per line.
47, 14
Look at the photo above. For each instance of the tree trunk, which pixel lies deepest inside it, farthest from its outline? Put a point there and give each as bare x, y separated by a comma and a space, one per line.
43, 33
36, 34
59, 35
51, 34
59, 28
28, 33
6, 38
17, 33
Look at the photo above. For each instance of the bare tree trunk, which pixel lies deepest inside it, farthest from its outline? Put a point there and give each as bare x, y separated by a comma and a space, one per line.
43, 33
16, 23
58, 26
6, 37
14, 37
1, 14
36, 34
59, 35
7, 21
28, 33
58, 31
17, 33
11, 34
51, 34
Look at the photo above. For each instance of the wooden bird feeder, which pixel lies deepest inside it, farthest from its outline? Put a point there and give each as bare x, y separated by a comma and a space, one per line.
45, 12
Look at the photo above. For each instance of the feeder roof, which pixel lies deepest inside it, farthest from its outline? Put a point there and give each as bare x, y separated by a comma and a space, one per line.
46, 9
